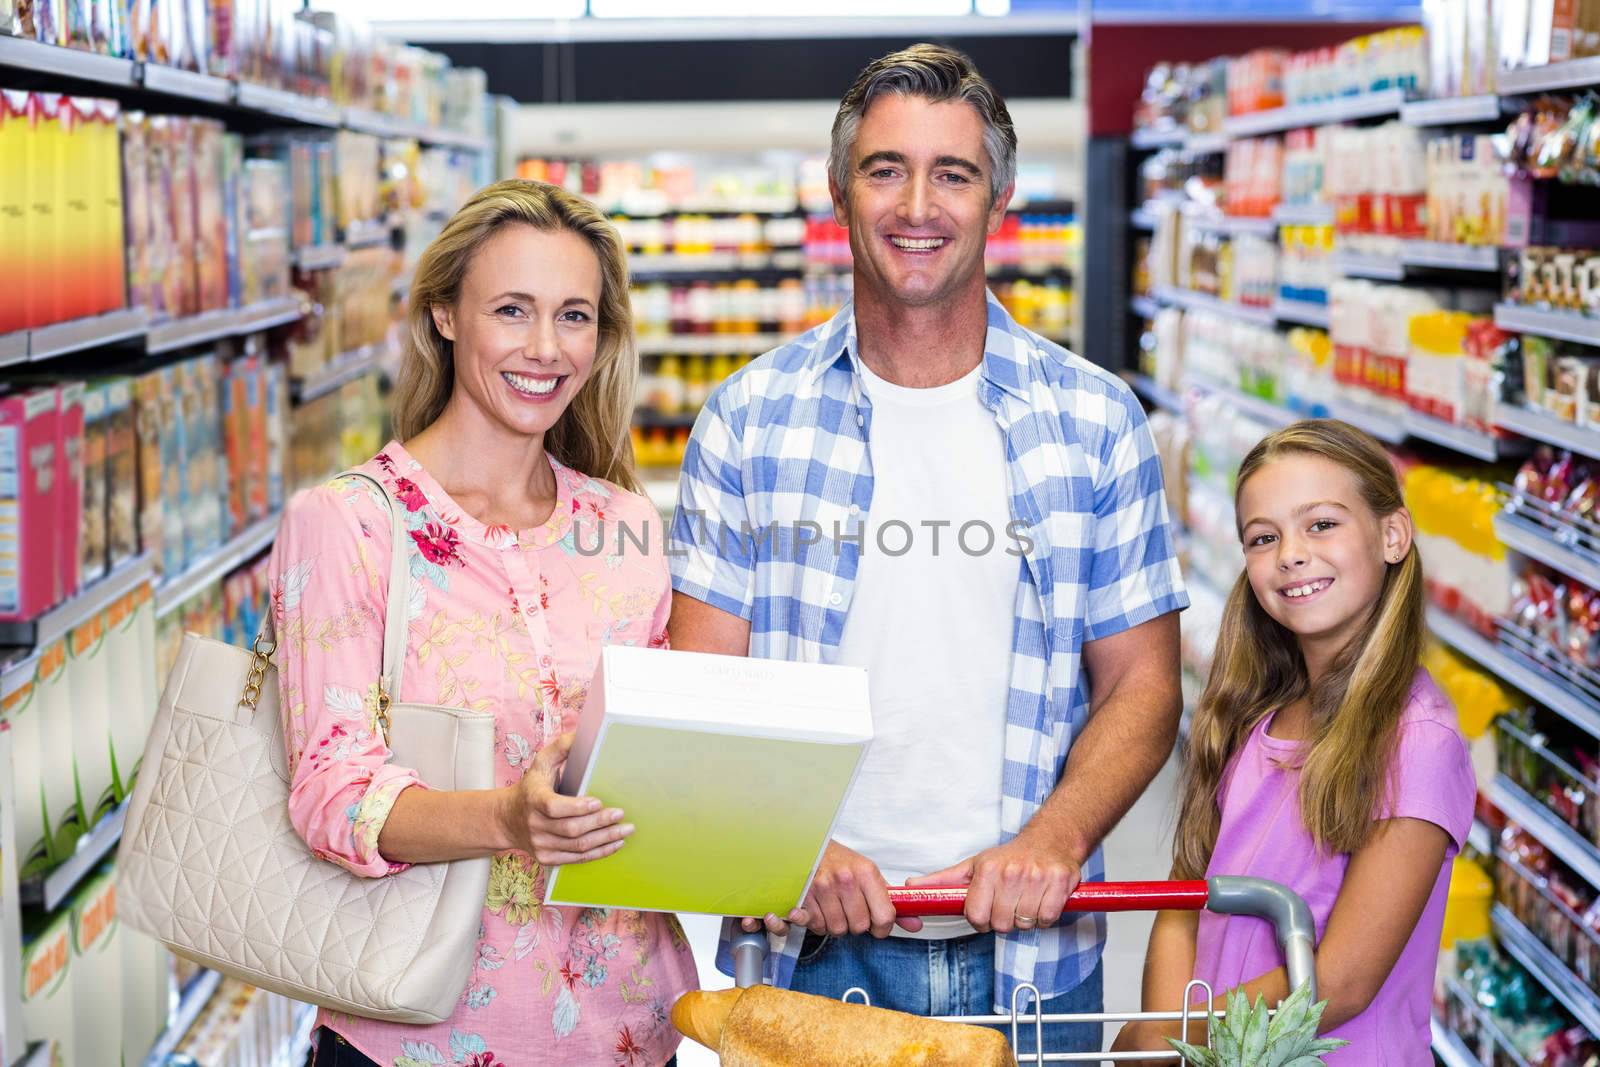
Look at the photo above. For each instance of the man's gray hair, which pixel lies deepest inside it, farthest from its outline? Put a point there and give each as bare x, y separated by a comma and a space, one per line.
935, 73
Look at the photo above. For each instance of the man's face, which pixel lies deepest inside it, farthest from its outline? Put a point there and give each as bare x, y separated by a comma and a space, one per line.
918, 207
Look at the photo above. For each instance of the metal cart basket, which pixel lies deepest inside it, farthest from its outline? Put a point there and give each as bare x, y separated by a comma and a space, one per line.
1264, 899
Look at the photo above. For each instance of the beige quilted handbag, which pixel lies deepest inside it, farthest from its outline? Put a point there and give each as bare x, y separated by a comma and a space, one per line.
211, 866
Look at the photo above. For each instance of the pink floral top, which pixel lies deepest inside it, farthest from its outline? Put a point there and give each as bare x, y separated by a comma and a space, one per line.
507, 623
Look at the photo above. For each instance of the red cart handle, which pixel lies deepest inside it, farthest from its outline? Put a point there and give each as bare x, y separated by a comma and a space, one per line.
1089, 896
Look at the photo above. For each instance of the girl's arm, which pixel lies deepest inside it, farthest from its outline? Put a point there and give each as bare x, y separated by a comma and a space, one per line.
1385, 890
1168, 965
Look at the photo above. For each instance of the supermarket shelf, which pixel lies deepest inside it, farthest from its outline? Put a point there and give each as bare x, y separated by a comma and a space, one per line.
368, 233
297, 1049
1561, 325
184, 83
1481, 837
1145, 218
1542, 687
1378, 268
711, 344
1386, 428
53, 889
190, 1005
1303, 312
1252, 406
1158, 394
1466, 441
213, 325
1344, 109
1573, 74
281, 104
1303, 214
1448, 1047
1206, 143
1233, 225
651, 420
1544, 965
1548, 429
1451, 111
1169, 138
1144, 305
177, 591
1554, 834
1441, 256
341, 370
75, 335
37, 1056
1201, 302
1535, 542
63, 619
13, 348
21, 54
674, 263
379, 125
319, 257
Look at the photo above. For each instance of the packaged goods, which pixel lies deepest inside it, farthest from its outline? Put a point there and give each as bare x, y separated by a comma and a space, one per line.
31, 479
20, 707
54, 695
123, 475
11, 1035
93, 521
92, 687
126, 724
49, 1006
68, 522
16, 279
97, 971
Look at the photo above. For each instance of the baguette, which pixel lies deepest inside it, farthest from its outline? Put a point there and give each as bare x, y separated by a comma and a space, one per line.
767, 1027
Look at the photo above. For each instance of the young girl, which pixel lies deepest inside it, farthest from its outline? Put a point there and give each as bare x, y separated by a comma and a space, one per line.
1322, 756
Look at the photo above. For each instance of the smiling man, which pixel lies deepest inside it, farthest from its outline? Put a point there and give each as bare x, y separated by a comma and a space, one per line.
923, 488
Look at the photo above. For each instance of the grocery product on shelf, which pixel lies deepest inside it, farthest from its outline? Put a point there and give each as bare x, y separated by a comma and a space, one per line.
1553, 622
1562, 279
1557, 906
1305, 263
1558, 767
1377, 180
1468, 192
1464, 45
1469, 574
1557, 492
1252, 175
1502, 1014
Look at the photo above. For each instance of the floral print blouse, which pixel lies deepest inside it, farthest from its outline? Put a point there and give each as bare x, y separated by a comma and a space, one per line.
509, 623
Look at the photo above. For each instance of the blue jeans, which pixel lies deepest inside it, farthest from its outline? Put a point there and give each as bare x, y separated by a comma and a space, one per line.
953, 977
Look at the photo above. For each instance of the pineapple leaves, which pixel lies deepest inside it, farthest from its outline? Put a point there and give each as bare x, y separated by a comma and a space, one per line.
1248, 1037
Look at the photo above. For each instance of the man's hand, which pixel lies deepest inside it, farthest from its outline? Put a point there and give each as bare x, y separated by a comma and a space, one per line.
848, 896
1019, 885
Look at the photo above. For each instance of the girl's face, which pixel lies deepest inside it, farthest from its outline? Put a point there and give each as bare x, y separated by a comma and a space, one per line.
1314, 552
525, 327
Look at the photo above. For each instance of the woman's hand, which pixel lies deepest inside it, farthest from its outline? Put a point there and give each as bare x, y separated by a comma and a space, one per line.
558, 829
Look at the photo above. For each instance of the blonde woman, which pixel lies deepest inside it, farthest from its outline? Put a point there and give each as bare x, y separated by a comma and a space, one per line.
512, 451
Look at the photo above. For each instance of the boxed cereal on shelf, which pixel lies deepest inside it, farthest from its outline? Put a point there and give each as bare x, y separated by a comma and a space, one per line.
111, 229
19, 708
11, 1035
92, 687
45, 253
136, 213
30, 479
49, 1009
69, 495
93, 525
146, 994
97, 971
53, 692
126, 725
123, 474
15, 276
76, 205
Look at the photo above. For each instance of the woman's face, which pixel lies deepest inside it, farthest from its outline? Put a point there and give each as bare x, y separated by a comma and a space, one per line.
525, 327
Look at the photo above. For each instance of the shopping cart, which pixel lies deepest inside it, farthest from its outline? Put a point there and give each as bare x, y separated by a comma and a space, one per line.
1259, 897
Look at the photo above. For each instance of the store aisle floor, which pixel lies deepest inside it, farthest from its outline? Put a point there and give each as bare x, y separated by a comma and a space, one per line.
1140, 848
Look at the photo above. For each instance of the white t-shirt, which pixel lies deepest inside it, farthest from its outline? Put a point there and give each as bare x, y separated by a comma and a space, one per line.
931, 620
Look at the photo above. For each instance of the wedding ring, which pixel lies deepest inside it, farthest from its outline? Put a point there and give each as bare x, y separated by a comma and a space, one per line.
1025, 922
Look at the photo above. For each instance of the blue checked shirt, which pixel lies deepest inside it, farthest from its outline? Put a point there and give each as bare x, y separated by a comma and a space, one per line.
775, 488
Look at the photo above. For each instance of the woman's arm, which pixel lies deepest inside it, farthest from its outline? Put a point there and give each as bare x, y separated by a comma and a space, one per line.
1386, 887
430, 826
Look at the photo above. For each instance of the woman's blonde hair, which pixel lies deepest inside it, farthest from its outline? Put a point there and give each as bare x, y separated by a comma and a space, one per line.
1258, 668
592, 435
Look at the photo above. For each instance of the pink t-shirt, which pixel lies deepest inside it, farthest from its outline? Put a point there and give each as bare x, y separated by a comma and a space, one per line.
1262, 835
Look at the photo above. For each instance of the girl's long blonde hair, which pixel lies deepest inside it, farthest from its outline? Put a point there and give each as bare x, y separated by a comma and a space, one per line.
592, 435
1258, 668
